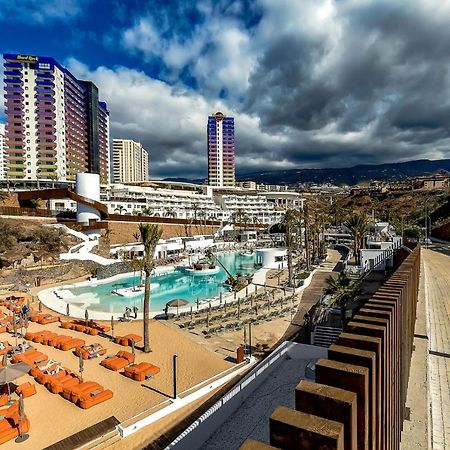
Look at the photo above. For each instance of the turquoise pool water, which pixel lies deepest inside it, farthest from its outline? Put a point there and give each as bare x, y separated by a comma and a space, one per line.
178, 284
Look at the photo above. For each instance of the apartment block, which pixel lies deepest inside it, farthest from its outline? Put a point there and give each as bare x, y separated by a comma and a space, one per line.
130, 161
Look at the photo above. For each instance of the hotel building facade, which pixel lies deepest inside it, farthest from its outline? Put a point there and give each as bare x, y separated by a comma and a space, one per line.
130, 161
56, 125
221, 150
2, 151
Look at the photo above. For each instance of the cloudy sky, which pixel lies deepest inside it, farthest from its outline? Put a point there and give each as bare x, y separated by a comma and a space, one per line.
311, 83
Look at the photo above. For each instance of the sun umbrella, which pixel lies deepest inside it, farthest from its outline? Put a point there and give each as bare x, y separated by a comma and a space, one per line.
40, 306
177, 302
12, 372
22, 436
68, 309
132, 346
86, 316
112, 326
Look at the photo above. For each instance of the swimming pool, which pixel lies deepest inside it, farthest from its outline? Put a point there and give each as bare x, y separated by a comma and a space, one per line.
177, 284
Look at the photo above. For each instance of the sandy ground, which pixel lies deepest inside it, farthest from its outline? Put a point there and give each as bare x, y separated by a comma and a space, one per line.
195, 364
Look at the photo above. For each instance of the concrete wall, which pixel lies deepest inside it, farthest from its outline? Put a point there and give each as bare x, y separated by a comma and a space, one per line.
358, 399
200, 431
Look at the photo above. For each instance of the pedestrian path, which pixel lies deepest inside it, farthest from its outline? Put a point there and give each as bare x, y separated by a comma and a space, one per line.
437, 297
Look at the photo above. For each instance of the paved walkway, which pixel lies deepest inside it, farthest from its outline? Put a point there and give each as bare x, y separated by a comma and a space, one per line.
251, 419
311, 295
437, 300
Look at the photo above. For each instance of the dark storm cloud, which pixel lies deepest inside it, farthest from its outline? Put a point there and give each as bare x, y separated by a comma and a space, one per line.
382, 71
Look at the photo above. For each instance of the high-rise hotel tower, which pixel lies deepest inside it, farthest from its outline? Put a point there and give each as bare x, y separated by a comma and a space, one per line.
221, 165
56, 126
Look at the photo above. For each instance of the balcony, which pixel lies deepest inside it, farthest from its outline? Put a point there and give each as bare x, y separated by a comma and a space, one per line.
43, 83
11, 127
9, 81
12, 65
46, 75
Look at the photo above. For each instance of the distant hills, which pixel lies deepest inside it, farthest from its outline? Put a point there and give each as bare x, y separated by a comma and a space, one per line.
351, 175
348, 175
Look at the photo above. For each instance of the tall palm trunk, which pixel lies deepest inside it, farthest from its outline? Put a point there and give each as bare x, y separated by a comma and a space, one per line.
147, 312
307, 250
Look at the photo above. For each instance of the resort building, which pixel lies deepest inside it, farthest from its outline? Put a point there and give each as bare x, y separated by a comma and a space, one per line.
251, 185
56, 125
130, 161
190, 201
221, 164
2, 151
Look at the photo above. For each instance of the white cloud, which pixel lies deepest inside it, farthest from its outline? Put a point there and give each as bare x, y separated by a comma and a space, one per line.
169, 121
41, 11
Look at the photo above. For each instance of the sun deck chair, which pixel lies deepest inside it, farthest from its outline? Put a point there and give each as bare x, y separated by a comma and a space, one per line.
5, 347
118, 362
58, 340
73, 393
87, 400
126, 340
10, 425
43, 367
57, 384
26, 389
141, 371
30, 357
71, 344
48, 318
53, 373
90, 351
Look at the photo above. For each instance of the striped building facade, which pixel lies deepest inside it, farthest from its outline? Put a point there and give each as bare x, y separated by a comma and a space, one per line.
56, 126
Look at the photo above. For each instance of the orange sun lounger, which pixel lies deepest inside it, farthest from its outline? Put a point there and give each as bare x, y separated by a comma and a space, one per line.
73, 393
126, 340
56, 385
70, 344
26, 389
121, 360
31, 357
10, 426
58, 340
90, 351
48, 318
94, 398
141, 371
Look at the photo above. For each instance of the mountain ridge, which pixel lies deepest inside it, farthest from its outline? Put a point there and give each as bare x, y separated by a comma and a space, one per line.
346, 175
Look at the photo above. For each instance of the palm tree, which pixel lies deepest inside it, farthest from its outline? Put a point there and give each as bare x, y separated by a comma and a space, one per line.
3, 196
213, 258
291, 222
358, 225
150, 234
170, 212
343, 290
120, 209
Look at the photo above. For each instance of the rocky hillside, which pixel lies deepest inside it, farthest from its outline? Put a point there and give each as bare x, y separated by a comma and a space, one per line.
25, 244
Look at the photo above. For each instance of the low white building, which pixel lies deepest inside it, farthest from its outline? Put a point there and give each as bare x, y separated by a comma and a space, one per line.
189, 201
